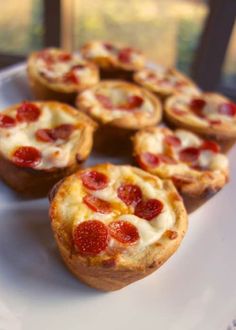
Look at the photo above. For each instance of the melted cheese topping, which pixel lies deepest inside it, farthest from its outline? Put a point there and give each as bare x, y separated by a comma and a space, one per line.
153, 142
97, 50
117, 95
56, 70
162, 79
209, 112
188, 139
75, 211
54, 154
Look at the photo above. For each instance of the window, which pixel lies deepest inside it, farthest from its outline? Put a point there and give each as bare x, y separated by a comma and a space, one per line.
21, 28
181, 33
167, 31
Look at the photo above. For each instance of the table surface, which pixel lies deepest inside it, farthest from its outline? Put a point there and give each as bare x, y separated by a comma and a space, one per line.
195, 289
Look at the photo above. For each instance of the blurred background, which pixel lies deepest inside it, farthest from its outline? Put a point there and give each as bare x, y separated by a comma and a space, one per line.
196, 36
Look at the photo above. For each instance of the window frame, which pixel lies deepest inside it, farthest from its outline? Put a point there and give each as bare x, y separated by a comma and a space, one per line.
52, 22
215, 40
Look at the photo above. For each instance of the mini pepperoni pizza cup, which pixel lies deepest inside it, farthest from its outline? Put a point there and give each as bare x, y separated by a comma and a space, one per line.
55, 74
120, 108
116, 224
196, 166
165, 81
115, 61
210, 115
40, 143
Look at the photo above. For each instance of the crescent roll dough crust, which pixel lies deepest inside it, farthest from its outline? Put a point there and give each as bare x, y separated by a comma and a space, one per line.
209, 114
165, 81
147, 111
60, 135
119, 264
59, 75
196, 166
114, 60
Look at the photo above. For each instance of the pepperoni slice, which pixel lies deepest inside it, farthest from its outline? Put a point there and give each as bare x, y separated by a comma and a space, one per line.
64, 57
26, 157
130, 194
214, 122
97, 205
109, 46
133, 102
28, 112
46, 57
197, 104
125, 55
91, 237
7, 121
105, 101
45, 135
172, 140
210, 145
167, 159
151, 76
148, 209
63, 131
227, 109
71, 77
78, 67
180, 180
148, 160
94, 180
124, 232
178, 112
189, 155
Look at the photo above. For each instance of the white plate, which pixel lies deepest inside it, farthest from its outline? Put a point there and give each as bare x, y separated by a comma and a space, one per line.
194, 290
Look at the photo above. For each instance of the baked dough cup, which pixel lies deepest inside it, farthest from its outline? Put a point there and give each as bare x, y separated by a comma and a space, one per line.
165, 81
115, 61
210, 115
40, 143
55, 74
115, 225
196, 166
120, 108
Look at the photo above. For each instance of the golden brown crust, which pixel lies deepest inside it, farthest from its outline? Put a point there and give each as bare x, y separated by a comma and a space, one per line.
193, 203
221, 133
30, 182
195, 186
37, 182
195, 195
43, 92
127, 120
44, 89
165, 91
109, 276
110, 273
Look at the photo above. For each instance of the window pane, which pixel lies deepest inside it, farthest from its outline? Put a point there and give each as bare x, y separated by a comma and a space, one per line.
167, 30
20, 26
229, 68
